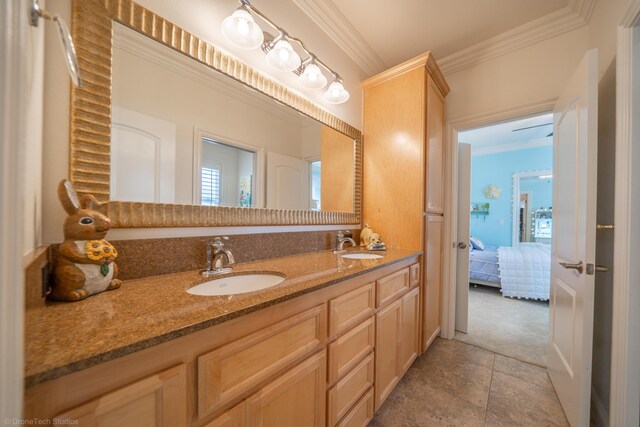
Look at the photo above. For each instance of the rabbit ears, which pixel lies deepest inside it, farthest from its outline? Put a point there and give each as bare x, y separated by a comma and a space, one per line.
69, 198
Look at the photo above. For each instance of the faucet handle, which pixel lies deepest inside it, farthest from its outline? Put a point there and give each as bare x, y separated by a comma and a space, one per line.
340, 234
218, 241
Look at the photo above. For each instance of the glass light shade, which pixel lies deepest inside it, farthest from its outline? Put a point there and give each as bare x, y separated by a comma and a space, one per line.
282, 57
336, 93
241, 30
312, 77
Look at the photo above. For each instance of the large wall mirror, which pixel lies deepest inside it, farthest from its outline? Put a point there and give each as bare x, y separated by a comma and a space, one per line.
532, 207
173, 132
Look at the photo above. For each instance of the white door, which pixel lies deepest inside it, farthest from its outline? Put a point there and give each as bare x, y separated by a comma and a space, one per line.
464, 219
573, 250
287, 182
143, 151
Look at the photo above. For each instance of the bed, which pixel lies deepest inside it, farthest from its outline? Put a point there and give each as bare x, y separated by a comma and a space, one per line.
520, 272
483, 266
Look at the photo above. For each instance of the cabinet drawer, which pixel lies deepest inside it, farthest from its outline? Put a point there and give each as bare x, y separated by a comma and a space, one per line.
160, 399
349, 389
391, 287
361, 414
351, 308
350, 348
235, 369
414, 275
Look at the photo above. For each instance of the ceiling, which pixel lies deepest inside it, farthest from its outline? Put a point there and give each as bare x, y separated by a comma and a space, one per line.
387, 33
503, 134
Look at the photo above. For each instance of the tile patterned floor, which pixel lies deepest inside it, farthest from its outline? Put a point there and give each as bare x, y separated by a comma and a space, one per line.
457, 384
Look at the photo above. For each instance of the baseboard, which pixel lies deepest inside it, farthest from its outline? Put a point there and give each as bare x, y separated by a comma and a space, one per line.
599, 413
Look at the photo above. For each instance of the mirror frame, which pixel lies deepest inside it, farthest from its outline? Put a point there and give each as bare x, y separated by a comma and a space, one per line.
90, 121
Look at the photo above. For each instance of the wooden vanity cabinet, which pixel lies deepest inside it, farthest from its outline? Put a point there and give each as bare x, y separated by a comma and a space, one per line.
158, 400
327, 358
397, 342
404, 167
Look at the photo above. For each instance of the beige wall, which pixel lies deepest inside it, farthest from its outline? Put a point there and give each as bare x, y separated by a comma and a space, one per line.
530, 75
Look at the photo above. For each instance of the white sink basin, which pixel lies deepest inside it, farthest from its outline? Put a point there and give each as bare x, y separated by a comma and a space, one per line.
231, 285
360, 255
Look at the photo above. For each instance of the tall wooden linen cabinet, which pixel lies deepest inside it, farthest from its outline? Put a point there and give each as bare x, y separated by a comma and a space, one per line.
403, 170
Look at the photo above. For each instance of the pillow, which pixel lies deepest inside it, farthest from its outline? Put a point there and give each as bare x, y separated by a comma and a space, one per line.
476, 243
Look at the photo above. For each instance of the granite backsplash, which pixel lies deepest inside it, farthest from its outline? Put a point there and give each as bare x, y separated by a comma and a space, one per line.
152, 257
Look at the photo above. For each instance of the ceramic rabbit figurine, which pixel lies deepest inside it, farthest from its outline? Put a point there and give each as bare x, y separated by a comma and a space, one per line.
85, 263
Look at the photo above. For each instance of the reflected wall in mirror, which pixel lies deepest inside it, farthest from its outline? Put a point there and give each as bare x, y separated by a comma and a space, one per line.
184, 133
154, 166
532, 204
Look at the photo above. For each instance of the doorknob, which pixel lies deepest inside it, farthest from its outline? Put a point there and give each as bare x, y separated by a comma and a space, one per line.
579, 266
462, 245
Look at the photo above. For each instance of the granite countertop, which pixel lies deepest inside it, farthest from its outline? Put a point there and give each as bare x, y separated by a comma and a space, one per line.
62, 338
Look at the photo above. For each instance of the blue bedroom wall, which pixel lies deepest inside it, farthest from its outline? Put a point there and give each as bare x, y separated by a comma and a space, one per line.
494, 229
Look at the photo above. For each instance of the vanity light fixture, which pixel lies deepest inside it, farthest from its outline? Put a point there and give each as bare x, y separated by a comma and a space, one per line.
336, 93
281, 55
312, 76
243, 31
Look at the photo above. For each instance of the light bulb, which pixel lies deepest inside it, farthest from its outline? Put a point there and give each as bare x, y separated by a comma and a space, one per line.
312, 77
241, 30
282, 57
336, 94
243, 27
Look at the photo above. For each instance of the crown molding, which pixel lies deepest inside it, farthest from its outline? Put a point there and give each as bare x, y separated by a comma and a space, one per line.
546, 27
133, 43
514, 146
583, 8
328, 17
424, 60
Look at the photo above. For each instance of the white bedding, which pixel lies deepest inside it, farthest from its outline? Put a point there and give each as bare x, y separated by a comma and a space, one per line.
525, 271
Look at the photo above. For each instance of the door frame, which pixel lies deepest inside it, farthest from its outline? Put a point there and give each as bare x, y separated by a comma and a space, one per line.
625, 342
454, 127
13, 93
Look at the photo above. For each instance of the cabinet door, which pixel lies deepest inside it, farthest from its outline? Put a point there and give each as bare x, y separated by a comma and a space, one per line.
234, 417
158, 400
432, 283
296, 398
388, 335
410, 338
435, 148
240, 367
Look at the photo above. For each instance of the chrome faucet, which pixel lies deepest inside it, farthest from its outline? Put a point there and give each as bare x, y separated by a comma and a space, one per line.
341, 240
216, 254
